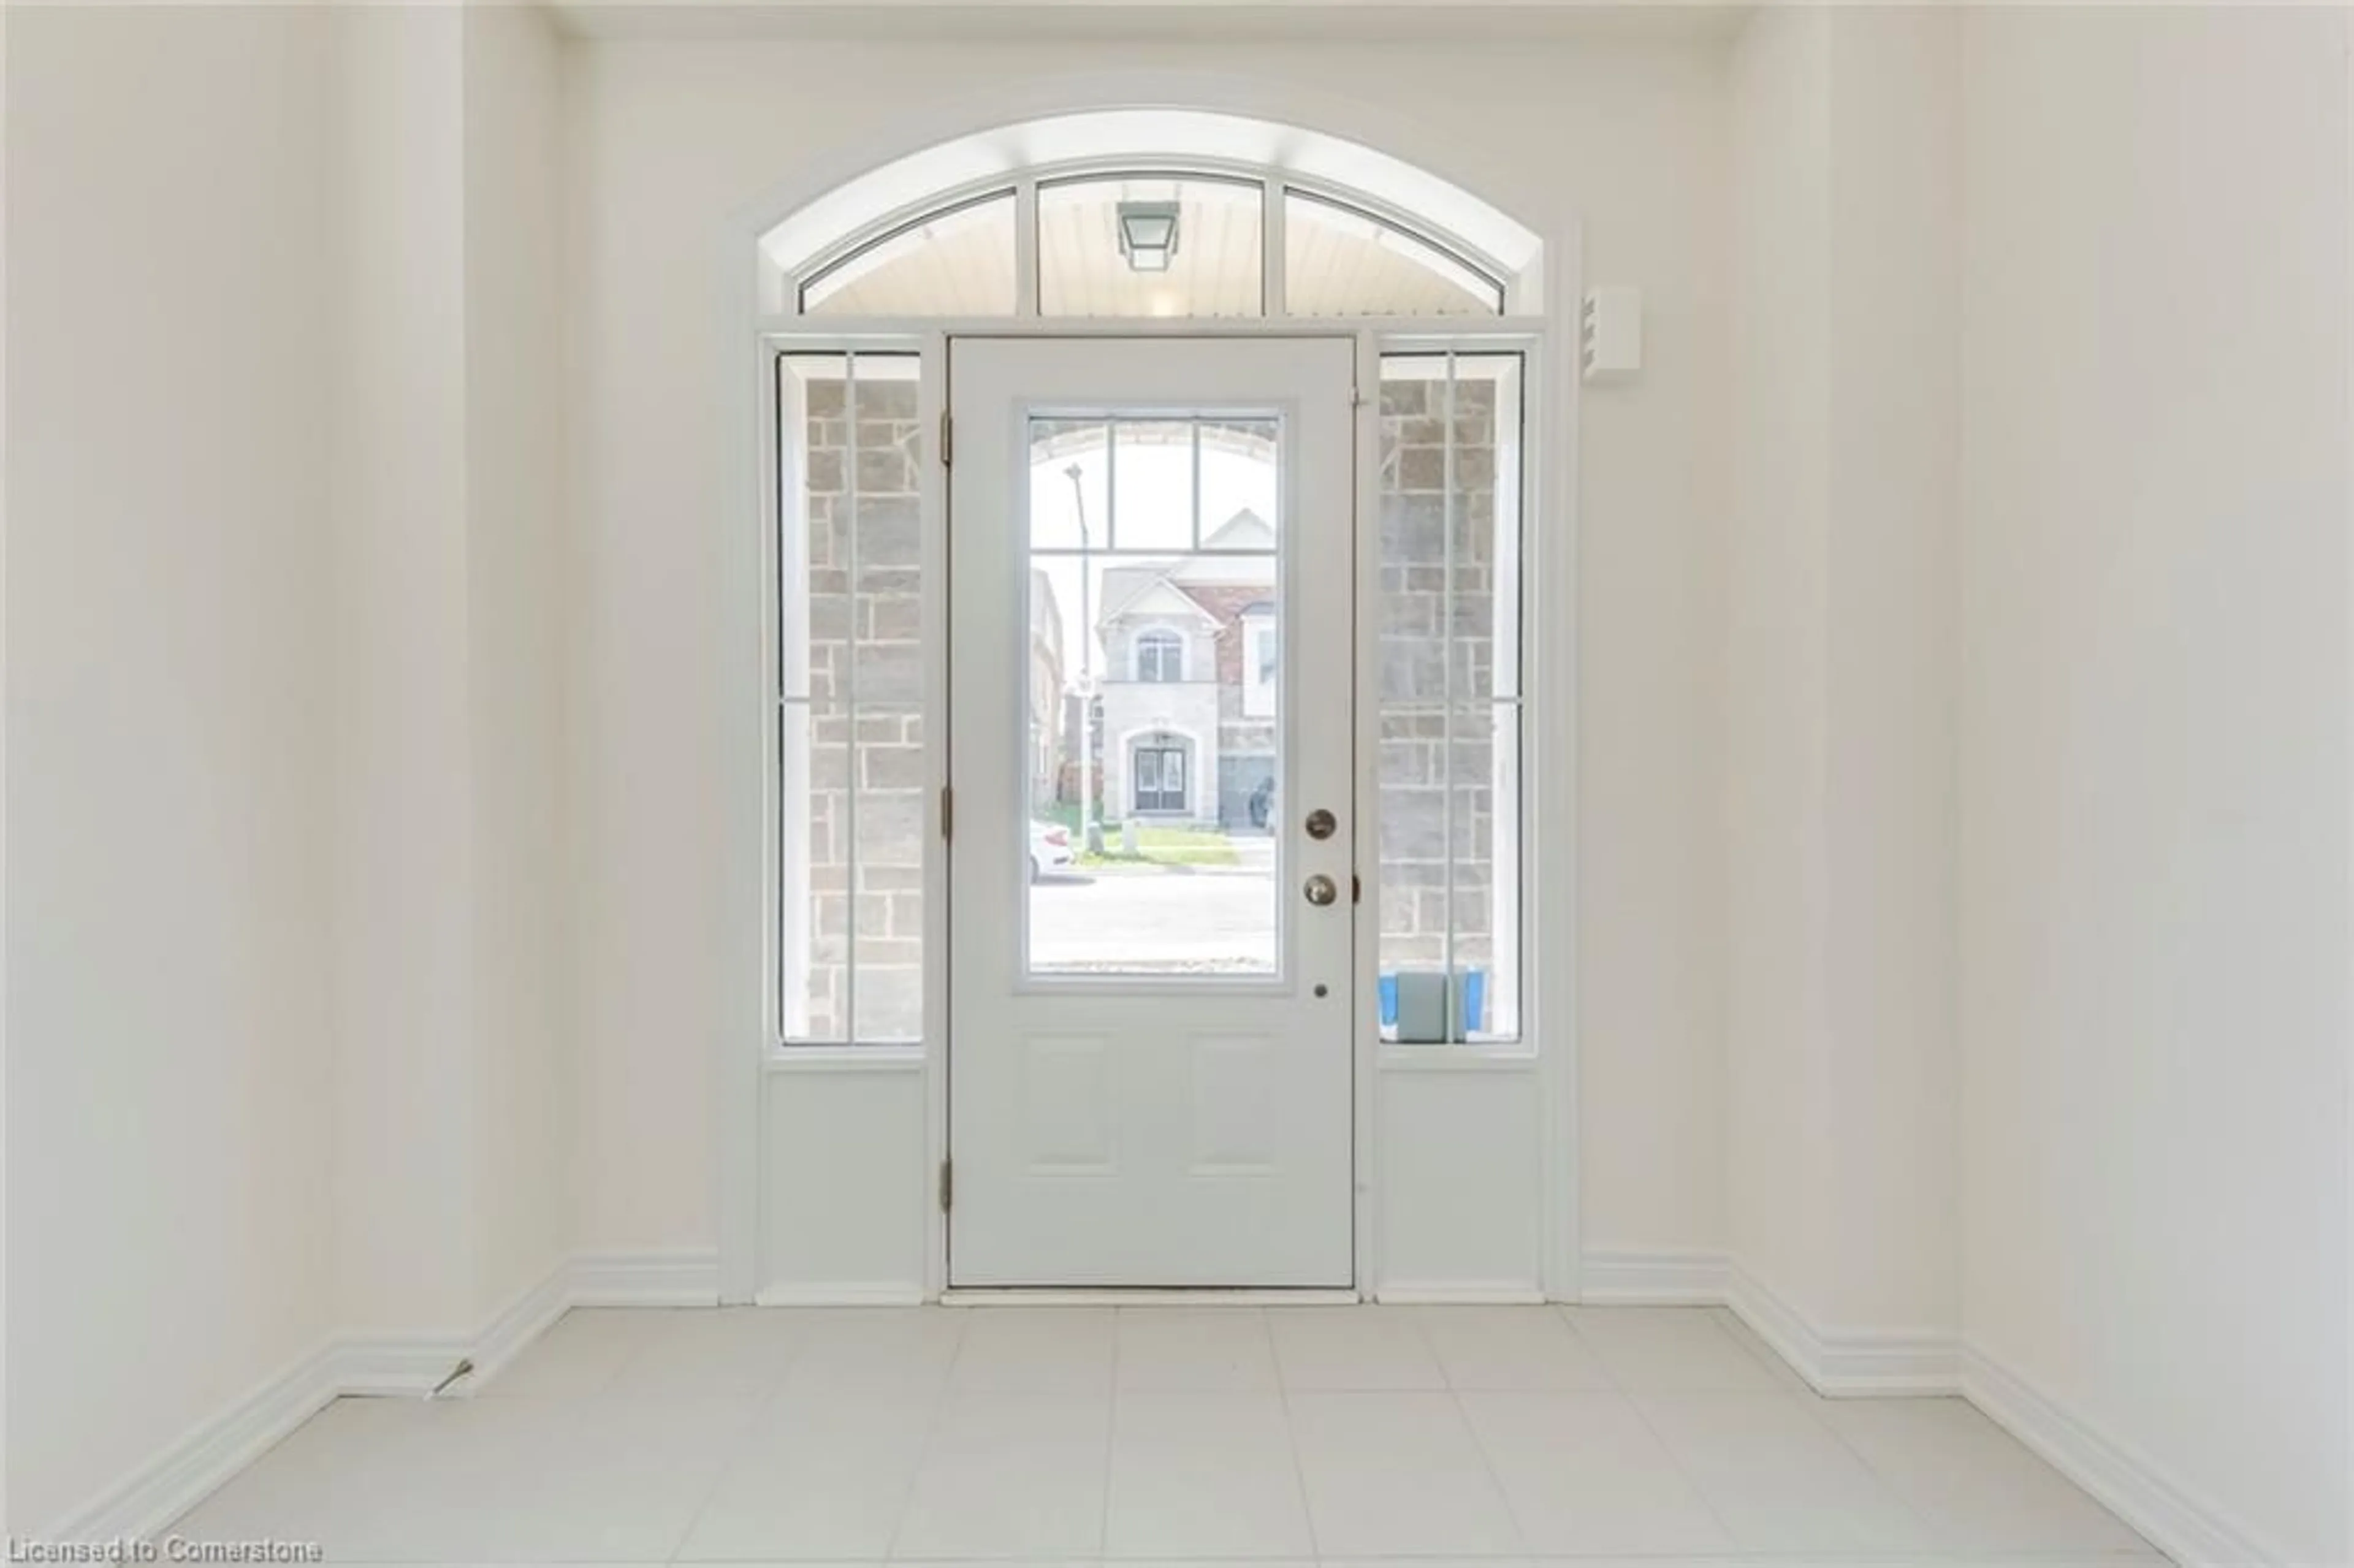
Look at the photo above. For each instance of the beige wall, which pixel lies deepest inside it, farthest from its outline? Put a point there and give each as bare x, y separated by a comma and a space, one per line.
169, 1034
1839, 781
2154, 763
282, 638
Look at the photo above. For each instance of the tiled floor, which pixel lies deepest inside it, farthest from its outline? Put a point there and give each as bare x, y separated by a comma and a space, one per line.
1161, 1435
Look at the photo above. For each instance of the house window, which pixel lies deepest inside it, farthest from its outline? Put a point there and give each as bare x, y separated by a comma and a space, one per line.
1159, 773
1160, 656
1262, 646
849, 690
1450, 792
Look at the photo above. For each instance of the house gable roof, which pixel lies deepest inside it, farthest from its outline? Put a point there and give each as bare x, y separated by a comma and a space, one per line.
1245, 530
1159, 596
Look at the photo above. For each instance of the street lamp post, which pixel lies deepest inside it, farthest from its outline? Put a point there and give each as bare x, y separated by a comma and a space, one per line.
1090, 839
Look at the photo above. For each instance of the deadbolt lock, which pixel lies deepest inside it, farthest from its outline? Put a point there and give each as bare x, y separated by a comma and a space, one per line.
1321, 824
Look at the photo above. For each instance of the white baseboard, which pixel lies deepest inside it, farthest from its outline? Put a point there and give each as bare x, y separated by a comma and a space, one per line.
398, 1365
1664, 1277
1832, 1362
2187, 1528
685, 1277
1888, 1362
528, 1316
1881, 1362
188, 1471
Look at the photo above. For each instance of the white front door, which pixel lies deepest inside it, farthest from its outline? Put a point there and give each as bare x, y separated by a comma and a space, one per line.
1149, 1023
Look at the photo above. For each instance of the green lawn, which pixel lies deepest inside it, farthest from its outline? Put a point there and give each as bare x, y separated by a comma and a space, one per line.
1158, 843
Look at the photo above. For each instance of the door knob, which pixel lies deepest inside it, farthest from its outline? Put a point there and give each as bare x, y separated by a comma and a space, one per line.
1321, 824
1320, 890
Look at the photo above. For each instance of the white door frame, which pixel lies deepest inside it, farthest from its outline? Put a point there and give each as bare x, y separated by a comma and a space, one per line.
746, 1071
1306, 1197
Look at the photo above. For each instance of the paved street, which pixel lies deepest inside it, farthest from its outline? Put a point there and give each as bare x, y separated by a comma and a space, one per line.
1177, 918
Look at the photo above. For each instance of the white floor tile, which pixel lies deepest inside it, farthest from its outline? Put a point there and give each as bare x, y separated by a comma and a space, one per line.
1583, 1473
724, 1352
1036, 1350
1283, 1436
1974, 1483
1397, 1475
876, 1350
1779, 1479
502, 1481
580, 1354
1197, 1349
1662, 1348
1351, 1347
1510, 1348
1204, 1475
817, 1476
329, 1481
1011, 1476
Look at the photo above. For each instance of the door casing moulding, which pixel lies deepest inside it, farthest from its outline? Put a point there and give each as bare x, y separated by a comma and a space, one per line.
193, 1466
1872, 1363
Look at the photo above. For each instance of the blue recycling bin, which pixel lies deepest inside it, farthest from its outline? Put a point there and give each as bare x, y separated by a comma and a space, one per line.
1473, 991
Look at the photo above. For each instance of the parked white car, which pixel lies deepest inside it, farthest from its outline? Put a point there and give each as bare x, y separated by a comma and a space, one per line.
1050, 848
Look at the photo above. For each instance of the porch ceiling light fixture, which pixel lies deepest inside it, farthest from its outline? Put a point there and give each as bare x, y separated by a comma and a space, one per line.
1147, 234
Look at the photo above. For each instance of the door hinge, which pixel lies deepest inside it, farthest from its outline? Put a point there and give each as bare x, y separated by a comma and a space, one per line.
948, 1185
948, 811
948, 438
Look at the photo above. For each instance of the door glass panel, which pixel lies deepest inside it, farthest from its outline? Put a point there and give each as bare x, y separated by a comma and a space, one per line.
1155, 694
1152, 485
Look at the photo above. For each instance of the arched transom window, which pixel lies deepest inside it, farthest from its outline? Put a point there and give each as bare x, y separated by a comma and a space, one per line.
1310, 227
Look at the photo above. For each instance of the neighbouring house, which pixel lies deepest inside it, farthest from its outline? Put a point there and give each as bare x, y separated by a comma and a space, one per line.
1187, 695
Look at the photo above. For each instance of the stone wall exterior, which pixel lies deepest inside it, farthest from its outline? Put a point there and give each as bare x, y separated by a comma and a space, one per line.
864, 614
1439, 738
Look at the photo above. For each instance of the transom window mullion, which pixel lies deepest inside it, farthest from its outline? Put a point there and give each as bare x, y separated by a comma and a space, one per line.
1275, 297
1025, 248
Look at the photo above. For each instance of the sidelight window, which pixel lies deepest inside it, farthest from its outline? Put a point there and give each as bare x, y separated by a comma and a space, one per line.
852, 770
1449, 699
